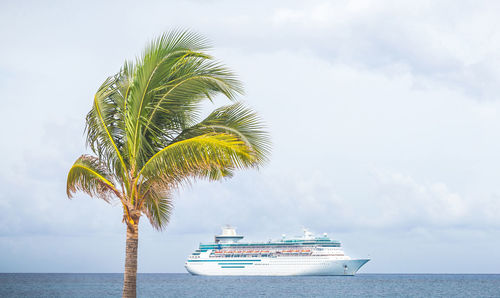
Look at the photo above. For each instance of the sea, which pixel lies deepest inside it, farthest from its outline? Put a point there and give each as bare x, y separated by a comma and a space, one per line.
185, 285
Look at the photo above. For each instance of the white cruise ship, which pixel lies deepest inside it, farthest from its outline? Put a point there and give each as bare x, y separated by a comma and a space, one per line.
307, 255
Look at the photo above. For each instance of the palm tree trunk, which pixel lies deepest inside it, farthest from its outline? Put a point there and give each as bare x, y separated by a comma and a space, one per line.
130, 276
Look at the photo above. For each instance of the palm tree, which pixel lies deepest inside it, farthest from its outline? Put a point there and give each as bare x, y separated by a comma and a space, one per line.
148, 139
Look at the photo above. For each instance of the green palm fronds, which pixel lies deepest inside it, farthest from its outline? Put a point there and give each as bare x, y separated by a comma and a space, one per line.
145, 131
89, 175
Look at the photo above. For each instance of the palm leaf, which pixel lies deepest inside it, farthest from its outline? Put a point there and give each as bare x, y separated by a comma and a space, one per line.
90, 176
201, 154
152, 70
157, 206
171, 79
105, 134
237, 120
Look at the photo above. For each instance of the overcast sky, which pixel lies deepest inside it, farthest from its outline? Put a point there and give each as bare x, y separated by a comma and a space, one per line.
384, 116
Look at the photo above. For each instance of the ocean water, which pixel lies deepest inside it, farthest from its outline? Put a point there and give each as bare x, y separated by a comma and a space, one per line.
184, 285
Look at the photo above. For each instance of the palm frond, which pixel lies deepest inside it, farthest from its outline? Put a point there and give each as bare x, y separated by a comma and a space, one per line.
152, 68
171, 79
157, 206
237, 120
177, 106
90, 176
215, 173
105, 130
201, 154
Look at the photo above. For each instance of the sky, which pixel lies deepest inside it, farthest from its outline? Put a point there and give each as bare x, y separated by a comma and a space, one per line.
384, 118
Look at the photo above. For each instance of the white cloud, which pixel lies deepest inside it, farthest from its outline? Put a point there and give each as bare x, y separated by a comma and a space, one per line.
446, 43
404, 201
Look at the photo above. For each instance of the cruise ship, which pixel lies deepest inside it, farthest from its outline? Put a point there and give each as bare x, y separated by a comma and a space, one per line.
306, 255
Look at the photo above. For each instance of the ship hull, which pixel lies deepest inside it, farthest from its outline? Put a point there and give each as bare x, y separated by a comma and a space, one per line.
282, 266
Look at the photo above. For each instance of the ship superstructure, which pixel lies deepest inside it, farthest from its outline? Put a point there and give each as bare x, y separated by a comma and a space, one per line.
306, 255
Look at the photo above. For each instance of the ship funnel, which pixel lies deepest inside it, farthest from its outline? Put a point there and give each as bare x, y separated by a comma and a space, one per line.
228, 235
307, 234
228, 231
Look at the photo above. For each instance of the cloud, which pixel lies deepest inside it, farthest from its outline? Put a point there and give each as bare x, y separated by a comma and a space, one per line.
402, 201
437, 43
265, 204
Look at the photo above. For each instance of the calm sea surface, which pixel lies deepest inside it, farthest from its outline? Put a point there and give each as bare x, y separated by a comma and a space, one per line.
184, 285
